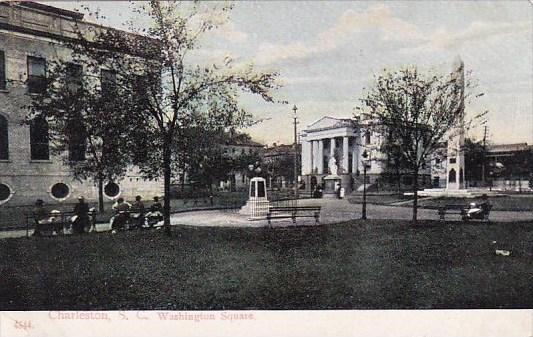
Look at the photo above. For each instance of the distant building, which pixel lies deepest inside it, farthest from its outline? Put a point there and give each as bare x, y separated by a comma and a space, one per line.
279, 162
239, 145
31, 35
507, 167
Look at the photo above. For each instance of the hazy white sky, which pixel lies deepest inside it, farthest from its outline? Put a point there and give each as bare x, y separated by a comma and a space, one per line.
327, 52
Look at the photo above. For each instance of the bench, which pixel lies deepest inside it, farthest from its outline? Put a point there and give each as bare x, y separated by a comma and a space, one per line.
460, 209
293, 213
60, 222
451, 209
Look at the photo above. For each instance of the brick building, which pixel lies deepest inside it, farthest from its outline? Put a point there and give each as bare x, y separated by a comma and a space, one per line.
30, 34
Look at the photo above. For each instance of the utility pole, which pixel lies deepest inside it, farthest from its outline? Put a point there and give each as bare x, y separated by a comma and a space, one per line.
485, 135
295, 109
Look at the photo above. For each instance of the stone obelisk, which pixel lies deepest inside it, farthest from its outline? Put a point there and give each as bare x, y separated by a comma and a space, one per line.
455, 173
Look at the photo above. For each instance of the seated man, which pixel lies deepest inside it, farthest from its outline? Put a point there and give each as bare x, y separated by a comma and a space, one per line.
40, 214
485, 204
156, 206
122, 208
121, 205
81, 210
138, 208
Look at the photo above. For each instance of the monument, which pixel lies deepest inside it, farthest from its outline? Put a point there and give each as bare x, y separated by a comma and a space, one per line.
455, 158
257, 206
332, 182
455, 173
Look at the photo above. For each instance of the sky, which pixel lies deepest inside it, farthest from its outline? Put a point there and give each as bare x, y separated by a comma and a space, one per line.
327, 52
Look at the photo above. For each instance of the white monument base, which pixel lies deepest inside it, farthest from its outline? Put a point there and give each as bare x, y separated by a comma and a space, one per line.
331, 182
256, 208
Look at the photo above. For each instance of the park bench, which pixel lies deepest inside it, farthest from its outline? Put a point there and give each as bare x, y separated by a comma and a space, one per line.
60, 222
293, 212
451, 209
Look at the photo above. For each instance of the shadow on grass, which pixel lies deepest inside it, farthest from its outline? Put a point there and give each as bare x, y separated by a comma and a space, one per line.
371, 264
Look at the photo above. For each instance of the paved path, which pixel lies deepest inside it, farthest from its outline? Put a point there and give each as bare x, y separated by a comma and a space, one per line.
333, 211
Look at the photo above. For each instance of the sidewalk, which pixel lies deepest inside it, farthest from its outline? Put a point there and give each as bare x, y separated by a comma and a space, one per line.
333, 211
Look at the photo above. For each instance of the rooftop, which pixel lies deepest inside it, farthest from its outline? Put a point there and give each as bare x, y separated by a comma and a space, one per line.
509, 147
50, 9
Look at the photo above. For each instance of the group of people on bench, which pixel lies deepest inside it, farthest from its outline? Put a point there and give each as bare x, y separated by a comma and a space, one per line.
82, 214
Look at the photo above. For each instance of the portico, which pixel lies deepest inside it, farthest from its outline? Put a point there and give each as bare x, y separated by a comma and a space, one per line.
328, 138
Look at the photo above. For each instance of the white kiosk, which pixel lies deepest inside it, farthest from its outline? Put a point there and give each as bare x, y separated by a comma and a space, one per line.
257, 205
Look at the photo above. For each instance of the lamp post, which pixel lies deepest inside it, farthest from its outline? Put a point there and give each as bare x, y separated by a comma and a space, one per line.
295, 109
365, 162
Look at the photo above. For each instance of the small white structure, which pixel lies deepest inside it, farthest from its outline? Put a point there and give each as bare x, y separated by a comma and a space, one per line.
257, 205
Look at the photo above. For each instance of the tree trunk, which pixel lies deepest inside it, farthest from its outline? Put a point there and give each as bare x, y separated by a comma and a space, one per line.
100, 194
166, 178
399, 183
415, 195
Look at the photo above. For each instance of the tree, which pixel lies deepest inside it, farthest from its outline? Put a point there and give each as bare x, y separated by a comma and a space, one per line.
164, 90
395, 162
417, 111
85, 127
475, 154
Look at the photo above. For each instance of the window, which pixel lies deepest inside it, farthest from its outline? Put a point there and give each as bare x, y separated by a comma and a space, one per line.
39, 139
452, 176
2, 70
36, 74
77, 140
452, 160
60, 191
108, 80
111, 190
367, 137
5, 193
74, 76
4, 140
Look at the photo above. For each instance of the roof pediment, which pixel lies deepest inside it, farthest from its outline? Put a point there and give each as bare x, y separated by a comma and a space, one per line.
327, 122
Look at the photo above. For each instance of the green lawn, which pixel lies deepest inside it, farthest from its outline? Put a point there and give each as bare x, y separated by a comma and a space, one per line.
356, 265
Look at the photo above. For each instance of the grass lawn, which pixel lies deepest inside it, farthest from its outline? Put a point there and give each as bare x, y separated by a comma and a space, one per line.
355, 265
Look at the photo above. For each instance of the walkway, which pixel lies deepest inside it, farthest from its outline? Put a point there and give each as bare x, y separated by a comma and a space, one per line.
333, 211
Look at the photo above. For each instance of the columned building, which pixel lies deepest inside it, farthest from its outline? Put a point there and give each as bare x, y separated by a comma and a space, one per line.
345, 140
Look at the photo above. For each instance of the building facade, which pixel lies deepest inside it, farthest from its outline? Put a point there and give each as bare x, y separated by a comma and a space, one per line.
279, 162
31, 35
243, 147
345, 140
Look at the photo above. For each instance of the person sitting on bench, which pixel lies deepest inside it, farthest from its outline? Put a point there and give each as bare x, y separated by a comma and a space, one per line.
40, 214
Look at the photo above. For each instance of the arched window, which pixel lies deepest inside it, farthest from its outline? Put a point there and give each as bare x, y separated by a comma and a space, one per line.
39, 139
451, 176
4, 139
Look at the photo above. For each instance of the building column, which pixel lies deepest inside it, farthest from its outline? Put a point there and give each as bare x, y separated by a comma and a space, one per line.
312, 156
332, 148
345, 154
306, 157
355, 156
320, 157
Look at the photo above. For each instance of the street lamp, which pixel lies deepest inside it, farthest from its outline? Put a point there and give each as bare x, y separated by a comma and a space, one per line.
365, 163
295, 109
